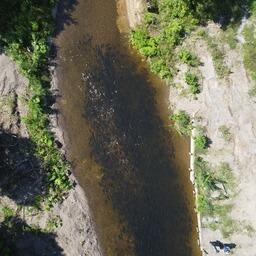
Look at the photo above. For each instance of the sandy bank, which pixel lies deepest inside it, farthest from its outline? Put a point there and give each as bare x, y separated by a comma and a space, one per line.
134, 11
226, 102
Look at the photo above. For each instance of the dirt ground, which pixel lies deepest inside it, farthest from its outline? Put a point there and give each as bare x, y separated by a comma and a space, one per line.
226, 102
134, 10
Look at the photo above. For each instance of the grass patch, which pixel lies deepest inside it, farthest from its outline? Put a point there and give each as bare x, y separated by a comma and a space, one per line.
53, 223
229, 36
217, 55
226, 176
8, 212
252, 91
200, 143
189, 58
208, 183
192, 82
249, 54
182, 122
225, 133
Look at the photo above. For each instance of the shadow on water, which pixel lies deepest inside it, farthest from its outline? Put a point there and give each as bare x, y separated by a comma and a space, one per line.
131, 144
63, 12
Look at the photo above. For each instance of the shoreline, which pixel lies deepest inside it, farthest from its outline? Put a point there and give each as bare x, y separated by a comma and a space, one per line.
92, 243
192, 179
225, 113
135, 9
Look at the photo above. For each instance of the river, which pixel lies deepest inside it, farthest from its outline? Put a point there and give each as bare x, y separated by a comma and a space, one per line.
132, 166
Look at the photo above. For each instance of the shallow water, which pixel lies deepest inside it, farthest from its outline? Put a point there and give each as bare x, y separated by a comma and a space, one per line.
133, 168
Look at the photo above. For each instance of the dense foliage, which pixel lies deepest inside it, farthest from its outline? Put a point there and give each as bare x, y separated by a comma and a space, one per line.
163, 30
182, 122
24, 36
173, 22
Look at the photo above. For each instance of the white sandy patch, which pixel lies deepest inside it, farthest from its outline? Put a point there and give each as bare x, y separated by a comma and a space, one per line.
134, 10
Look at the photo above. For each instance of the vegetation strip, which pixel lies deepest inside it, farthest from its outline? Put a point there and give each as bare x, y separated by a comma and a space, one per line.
25, 38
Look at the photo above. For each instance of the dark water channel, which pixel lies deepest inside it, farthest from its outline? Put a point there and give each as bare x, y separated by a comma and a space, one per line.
132, 167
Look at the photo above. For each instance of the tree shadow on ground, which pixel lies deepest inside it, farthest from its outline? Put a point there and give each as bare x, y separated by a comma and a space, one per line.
22, 177
225, 12
19, 239
131, 144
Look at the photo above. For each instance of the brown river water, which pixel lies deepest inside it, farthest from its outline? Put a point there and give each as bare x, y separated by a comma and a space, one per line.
131, 165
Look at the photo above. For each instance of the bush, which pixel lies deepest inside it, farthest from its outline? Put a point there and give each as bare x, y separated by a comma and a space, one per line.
150, 18
200, 143
206, 182
145, 44
8, 212
189, 58
158, 66
174, 21
182, 122
193, 83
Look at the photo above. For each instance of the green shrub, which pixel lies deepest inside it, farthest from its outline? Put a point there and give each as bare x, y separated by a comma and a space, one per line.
145, 44
252, 7
207, 181
182, 122
53, 223
8, 212
200, 143
192, 82
189, 58
158, 66
204, 205
150, 18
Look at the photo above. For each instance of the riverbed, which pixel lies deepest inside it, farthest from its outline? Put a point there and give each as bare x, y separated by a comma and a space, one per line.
132, 166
